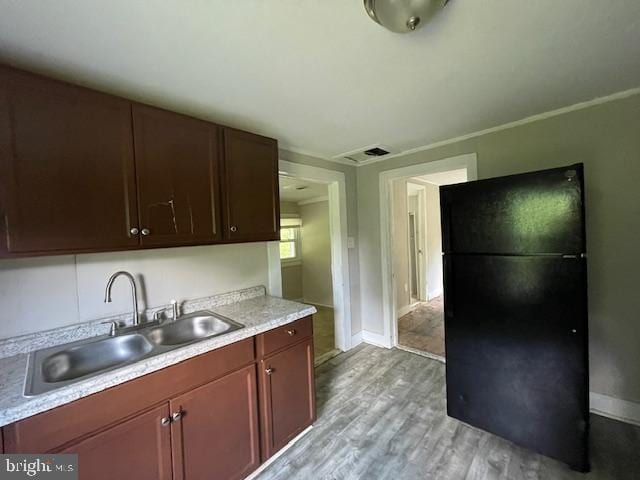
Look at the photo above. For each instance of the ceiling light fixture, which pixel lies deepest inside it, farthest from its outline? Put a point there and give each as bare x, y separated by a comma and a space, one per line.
402, 16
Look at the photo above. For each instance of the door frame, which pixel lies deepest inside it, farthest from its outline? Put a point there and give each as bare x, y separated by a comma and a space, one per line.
421, 242
467, 161
337, 190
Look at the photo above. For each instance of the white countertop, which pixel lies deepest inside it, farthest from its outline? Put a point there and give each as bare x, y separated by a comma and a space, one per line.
258, 314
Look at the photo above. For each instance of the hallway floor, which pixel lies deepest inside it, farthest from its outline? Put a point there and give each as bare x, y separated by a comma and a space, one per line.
423, 328
382, 415
324, 339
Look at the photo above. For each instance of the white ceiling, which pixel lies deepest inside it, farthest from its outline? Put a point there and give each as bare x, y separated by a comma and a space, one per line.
296, 190
321, 76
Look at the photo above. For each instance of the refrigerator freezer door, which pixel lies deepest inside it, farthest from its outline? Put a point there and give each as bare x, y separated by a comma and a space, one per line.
516, 343
538, 212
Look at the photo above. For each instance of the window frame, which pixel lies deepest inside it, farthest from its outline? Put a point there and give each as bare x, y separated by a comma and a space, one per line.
296, 225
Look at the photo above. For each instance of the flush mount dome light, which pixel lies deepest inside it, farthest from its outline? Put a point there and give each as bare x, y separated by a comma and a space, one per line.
402, 16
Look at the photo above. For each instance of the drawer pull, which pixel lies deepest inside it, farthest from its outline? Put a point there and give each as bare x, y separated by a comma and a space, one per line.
269, 371
164, 421
175, 416
291, 332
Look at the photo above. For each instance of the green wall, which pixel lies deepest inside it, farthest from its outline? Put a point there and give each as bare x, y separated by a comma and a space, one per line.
606, 138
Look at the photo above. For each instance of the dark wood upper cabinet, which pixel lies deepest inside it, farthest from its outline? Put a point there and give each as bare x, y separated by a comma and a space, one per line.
178, 181
82, 171
137, 448
252, 202
217, 435
66, 168
287, 395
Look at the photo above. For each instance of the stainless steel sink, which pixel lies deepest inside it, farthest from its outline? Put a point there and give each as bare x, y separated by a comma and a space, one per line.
62, 365
92, 357
189, 328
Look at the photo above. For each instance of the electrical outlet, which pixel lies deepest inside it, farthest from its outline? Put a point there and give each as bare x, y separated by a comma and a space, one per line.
406, 287
351, 242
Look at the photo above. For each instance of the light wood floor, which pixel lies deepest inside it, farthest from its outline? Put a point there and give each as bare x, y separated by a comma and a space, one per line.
423, 328
324, 340
381, 415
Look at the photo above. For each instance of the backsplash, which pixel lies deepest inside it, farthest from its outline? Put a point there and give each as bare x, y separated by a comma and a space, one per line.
44, 293
35, 341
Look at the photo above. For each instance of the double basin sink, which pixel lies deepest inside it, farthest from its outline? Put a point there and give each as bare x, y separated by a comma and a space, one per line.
62, 365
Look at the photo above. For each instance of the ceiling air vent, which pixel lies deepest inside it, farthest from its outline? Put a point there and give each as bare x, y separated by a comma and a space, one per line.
366, 154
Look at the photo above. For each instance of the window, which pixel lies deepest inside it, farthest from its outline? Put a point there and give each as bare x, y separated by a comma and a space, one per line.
290, 240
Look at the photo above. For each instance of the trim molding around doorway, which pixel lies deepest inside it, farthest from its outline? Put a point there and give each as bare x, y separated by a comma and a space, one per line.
389, 337
339, 242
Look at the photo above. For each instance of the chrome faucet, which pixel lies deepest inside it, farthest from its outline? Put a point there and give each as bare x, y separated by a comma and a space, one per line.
134, 293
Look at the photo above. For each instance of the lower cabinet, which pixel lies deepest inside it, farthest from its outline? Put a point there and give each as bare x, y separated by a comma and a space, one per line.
209, 417
137, 448
287, 395
215, 434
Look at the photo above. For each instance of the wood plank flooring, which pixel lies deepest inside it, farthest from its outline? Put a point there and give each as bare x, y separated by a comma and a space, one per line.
324, 340
381, 415
423, 328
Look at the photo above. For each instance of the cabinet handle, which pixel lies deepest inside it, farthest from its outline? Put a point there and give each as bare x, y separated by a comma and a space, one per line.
233, 228
164, 421
134, 231
269, 371
175, 416
291, 332
146, 231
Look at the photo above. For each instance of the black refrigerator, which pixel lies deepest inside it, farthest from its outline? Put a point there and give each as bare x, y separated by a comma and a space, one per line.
515, 302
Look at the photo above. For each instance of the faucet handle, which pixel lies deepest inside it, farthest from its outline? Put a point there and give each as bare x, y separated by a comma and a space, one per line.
114, 327
175, 309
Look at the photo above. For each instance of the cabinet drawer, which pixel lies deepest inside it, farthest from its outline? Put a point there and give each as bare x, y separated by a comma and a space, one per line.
55, 428
284, 336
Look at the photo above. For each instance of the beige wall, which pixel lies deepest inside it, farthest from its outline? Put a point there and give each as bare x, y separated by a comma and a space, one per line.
291, 274
605, 137
48, 292
352, 224
400, 245
434, 240
289, 208
317, 286
292, 281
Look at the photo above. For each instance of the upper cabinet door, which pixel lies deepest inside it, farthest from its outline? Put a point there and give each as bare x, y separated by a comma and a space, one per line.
252, 208
66, 168
178, 181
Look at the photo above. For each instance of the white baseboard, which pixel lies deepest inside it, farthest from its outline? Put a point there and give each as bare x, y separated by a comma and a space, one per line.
376, 339
611, 407
319, 360
422, 353
311, 302
435, 293
266, 464
406, 309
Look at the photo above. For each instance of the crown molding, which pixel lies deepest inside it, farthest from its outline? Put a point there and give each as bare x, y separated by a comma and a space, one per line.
505, 126
533, 118
320, 156
323, 198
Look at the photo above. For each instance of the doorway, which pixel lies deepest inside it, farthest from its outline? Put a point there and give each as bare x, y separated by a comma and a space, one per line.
413, 257
412, 252
313, 252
